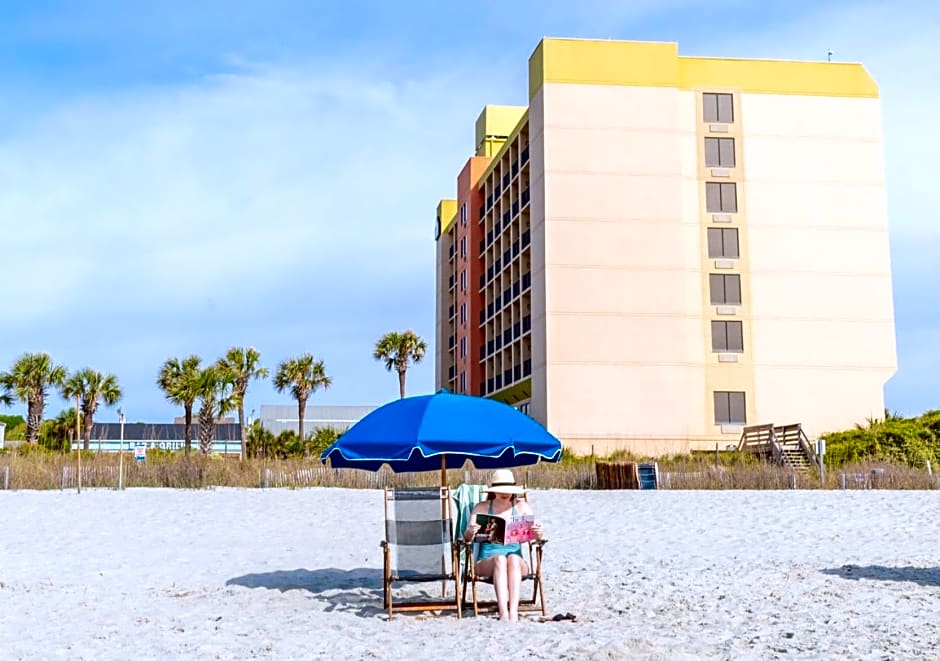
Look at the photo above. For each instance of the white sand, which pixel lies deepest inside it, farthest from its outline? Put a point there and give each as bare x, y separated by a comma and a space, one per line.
240, 574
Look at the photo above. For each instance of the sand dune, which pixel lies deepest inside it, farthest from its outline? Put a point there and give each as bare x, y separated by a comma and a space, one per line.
281, 574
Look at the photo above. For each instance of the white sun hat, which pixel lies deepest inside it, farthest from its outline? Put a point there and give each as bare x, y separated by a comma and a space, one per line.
503, 481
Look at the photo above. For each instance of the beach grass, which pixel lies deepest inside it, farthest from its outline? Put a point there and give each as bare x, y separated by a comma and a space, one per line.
48, 470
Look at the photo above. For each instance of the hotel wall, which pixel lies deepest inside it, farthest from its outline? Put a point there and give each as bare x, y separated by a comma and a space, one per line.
623, 262
823, 321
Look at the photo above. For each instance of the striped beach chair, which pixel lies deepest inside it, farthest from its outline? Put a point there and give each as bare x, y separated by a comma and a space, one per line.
419, 547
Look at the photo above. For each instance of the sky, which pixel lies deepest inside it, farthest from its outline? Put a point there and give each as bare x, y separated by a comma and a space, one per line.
181, 177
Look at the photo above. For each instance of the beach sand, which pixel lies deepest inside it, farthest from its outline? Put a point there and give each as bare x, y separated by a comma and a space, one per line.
280, 574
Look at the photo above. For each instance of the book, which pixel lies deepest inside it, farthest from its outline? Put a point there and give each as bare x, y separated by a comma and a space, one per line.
497, 530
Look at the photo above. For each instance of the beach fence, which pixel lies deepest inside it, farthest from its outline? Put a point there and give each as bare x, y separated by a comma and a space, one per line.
60, 471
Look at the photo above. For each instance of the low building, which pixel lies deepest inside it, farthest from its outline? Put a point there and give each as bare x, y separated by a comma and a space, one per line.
107, 437
283, 417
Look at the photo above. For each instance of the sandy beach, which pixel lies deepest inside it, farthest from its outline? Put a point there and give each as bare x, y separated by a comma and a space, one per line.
281, 574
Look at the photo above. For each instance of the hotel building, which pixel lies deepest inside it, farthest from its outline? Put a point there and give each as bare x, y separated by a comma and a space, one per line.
659, 250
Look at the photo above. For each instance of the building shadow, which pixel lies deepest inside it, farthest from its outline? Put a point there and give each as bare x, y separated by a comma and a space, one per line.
928, 576
357, 591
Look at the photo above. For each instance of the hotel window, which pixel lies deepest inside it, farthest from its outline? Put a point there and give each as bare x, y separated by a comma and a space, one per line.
724, 289
719, 152
463, 382
727, 336
463, 313
723, 242
463, 347
718, 108
463, 280
463, 246
721, 197
463, 214
729, 408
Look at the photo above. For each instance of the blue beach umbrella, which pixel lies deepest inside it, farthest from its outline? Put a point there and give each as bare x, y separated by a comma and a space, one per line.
441, 431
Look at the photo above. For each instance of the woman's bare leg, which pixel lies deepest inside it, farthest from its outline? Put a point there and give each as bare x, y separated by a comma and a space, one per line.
496, 567
515, 567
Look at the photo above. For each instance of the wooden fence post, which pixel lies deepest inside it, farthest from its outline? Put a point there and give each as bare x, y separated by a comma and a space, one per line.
6, 478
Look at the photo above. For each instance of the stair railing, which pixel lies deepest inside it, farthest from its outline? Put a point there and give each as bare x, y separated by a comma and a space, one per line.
808, 448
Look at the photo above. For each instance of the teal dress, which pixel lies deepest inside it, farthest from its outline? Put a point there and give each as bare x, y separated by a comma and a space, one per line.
488, 550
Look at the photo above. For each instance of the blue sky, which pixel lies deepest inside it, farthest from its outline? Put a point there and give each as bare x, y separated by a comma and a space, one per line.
182, 177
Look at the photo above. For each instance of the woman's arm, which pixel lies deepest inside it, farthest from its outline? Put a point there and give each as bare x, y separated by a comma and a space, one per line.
472, 525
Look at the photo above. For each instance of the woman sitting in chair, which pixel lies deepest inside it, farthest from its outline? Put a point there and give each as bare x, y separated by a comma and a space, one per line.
503, 562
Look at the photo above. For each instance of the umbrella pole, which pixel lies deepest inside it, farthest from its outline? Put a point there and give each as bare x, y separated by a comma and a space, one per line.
444, 517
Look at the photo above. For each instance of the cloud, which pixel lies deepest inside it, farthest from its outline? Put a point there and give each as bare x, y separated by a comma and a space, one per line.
150, 222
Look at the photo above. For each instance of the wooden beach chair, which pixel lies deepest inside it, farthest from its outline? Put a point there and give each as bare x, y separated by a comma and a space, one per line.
418, 547
532, 550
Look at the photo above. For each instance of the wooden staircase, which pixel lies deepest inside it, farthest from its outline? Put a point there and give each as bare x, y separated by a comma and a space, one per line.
786, 445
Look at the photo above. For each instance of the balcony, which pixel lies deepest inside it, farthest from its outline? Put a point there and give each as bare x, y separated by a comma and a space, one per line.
506, 180
482, 353
450, 282
499, 381
482, 281
526, 280
515, 248
482, 245
489, 310
527, 323
497, 265
525, 238
498, 342
506, 218
525, 197
482, 317
490, 385
450, 253
525, 154
490, 348
451, 373
497, 226
516, 330
451, 312
507, 296
507, 256
489, 201
507, 336
489, 238
496, 191
515, 208
515, 169
482, 211
527, 367
507, 376
515, 289
489, 273
517, 372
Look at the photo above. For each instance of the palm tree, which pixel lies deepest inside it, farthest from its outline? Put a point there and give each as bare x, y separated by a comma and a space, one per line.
303, 375
29, 381
214, 392
177, 379
90, 388
242, 366
397, 349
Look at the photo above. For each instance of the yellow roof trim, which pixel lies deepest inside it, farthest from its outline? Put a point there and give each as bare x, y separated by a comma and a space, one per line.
658, 64
502, 150
447, 214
